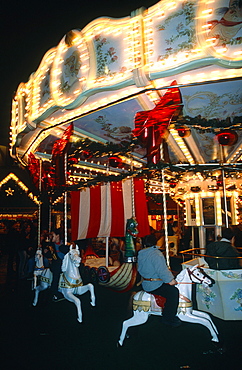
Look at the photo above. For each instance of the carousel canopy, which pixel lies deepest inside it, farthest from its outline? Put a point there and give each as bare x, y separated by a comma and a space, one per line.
169, 76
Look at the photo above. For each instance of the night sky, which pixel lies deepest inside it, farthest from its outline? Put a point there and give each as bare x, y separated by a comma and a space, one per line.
30, 28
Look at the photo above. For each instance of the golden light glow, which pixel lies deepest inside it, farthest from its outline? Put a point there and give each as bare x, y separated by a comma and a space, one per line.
12, 216
58, 200
41, 99
9, 192
11, 176
182, 146
49, 97
218, 208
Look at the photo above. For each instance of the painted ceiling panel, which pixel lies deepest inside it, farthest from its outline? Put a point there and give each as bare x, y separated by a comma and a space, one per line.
216, 102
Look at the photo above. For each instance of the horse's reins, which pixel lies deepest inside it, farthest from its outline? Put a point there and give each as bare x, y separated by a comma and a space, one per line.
180, 282
188, 302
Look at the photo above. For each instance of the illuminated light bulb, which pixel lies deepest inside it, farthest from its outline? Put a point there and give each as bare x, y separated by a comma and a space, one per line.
222, 50
207, 12
212, 40
239, 52
215, 74
161, 14
231, 73
207, 25
201, 76
171, 5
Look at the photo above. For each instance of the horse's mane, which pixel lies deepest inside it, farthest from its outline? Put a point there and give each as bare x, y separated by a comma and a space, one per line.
65, 263
39, 257
181, 275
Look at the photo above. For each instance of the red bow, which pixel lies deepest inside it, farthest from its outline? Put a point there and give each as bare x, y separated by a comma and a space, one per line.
150, 126
59, 149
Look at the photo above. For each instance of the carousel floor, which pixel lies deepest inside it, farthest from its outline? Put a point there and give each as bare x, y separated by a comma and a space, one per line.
49, 337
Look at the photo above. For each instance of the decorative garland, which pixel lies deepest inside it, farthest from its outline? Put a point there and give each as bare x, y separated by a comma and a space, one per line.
210, 125
85, 149
88, 148
154, 172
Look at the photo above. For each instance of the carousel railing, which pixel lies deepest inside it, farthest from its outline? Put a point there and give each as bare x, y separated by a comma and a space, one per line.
194, 254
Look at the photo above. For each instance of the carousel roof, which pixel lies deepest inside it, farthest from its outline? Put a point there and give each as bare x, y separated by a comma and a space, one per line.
205, 112
114, 70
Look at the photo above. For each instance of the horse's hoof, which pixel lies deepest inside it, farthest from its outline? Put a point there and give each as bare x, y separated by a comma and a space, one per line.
93, 304
80, 321
219, 348
119, 345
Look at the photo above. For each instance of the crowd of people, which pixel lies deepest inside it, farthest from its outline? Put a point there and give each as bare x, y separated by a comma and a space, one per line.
20, 244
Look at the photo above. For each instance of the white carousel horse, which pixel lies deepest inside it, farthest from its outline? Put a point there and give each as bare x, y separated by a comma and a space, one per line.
144, 304
70, 283
39, 266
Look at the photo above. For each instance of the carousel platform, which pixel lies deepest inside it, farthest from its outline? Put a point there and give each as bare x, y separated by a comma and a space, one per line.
49, 336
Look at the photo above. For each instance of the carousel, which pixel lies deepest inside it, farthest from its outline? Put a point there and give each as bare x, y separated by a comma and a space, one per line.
133, 111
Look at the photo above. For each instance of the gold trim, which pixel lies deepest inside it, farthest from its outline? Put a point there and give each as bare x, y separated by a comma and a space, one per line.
80, 283
141, 306
185, 304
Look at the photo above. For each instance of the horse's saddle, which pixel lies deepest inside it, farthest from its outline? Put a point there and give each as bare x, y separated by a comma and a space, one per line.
156, 303
160, 301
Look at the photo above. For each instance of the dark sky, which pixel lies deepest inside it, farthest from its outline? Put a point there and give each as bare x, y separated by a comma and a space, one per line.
30, 28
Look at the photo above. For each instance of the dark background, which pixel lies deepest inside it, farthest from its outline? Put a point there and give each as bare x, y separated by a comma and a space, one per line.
30, 28
49, 337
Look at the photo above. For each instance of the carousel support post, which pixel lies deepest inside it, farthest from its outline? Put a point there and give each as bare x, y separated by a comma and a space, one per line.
132, 197
130, 254
40, 181
192, 241
65, 216
65, 202
50, 216
165, 220
106, 238
224, 186
225, 200
202, 239
106, 248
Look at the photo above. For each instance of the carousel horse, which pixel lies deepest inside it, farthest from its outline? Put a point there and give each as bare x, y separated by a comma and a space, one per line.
39, 266
70, 283
146, 304
131, 233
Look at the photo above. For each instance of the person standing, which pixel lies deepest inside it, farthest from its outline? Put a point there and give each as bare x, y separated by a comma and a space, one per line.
223, 248
57, 251
27, 248
158, 280
12, 239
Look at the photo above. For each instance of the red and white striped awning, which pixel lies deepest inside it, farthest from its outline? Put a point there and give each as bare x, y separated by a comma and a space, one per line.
103, 210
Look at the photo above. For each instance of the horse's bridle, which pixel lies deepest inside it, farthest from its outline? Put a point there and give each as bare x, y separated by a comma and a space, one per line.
190, 273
